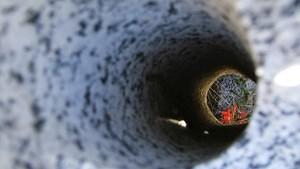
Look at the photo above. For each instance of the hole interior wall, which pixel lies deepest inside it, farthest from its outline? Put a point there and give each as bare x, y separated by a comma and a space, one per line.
175, 56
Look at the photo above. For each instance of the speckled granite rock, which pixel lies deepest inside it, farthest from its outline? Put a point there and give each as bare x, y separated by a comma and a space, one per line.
271, 140
74, 92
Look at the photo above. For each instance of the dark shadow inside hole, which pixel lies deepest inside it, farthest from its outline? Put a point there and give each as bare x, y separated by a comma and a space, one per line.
175, 82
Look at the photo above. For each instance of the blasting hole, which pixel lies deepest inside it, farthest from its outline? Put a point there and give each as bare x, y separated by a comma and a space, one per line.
181, 73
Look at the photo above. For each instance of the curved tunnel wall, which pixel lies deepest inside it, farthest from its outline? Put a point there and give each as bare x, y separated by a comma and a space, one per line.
93, 78
96, 94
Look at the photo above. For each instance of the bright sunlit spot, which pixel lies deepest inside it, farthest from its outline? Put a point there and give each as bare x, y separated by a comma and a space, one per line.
206, 132
181, 123
289, 77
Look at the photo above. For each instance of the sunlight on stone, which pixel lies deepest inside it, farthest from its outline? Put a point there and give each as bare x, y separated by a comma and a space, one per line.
288, 77
181, 123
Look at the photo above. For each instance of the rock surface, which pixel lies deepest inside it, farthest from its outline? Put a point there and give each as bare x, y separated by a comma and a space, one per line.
73, 87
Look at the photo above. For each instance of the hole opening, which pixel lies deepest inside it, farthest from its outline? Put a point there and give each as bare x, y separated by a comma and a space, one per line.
178, 65
231, 99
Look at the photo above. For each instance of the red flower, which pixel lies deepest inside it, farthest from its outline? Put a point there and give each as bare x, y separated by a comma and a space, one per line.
226, 116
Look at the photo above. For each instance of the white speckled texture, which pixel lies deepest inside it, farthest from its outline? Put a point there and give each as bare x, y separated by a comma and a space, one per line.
74, 92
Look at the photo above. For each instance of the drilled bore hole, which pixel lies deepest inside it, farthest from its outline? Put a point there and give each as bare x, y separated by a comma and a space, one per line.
178, 66
180, 86
179, 78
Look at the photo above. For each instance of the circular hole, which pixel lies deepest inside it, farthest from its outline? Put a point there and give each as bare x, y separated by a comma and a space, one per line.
179, 92
231, 99
178, 67
179, 82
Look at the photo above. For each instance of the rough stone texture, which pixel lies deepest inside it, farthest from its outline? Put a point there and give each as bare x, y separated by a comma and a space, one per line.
73, 87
